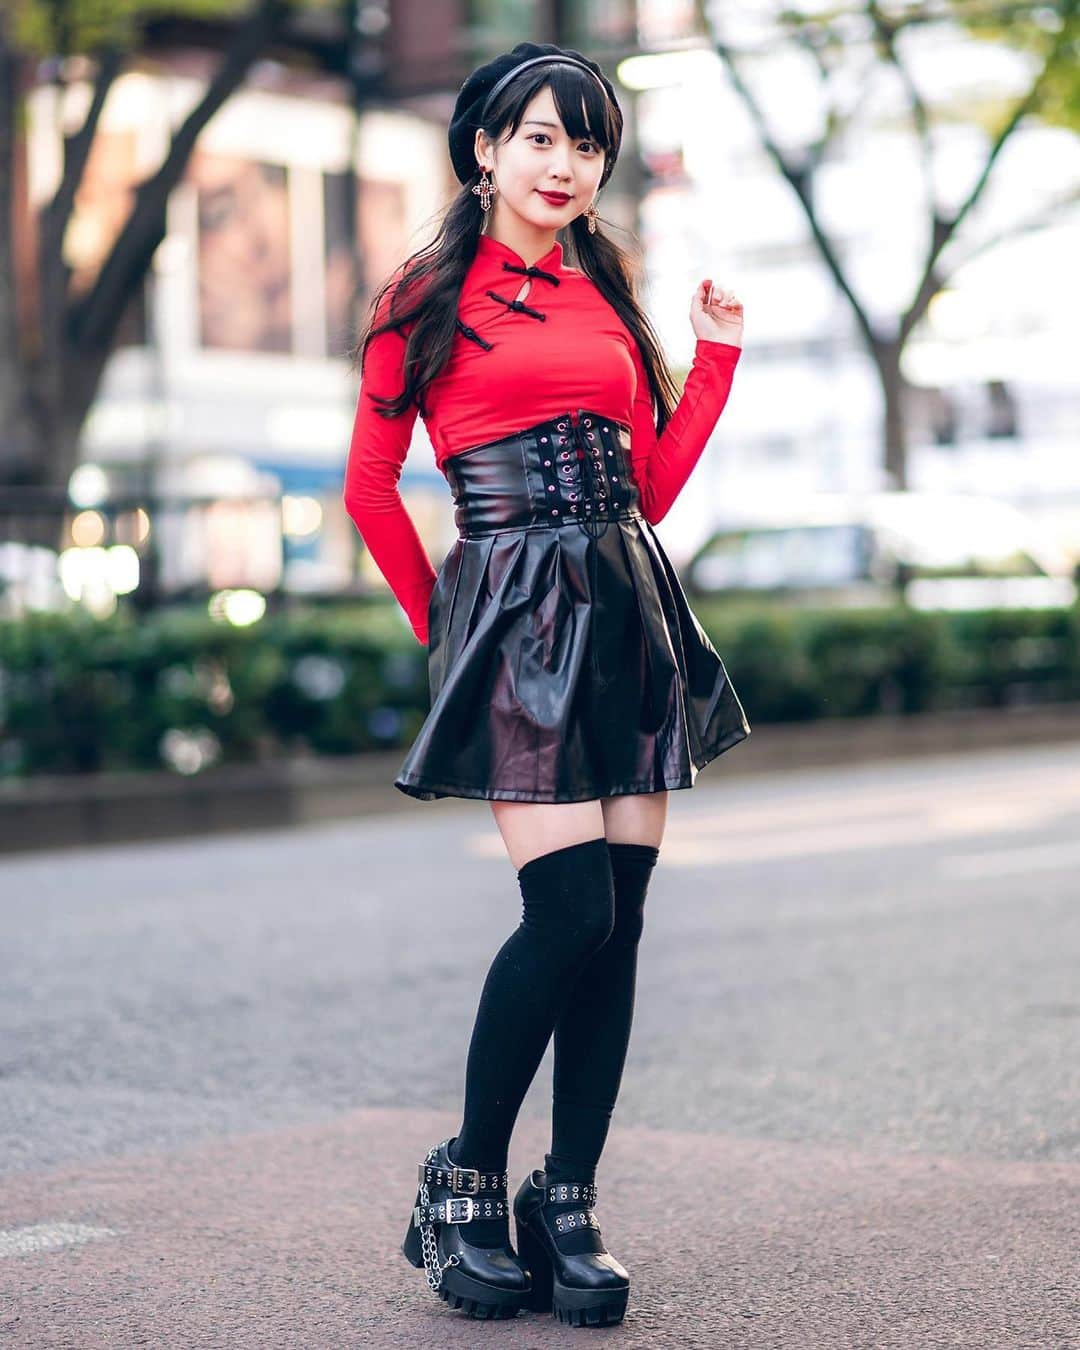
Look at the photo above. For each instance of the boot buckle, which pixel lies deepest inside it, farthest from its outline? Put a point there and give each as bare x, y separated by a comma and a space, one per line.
465, 1200
457, 1172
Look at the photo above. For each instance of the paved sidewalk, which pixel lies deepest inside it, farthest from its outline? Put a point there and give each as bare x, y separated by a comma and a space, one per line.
290, 1239
848, 1122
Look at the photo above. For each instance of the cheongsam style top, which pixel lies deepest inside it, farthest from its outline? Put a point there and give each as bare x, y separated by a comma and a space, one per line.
514, 364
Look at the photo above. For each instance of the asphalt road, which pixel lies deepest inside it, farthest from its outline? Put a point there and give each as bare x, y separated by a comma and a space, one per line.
850, 1115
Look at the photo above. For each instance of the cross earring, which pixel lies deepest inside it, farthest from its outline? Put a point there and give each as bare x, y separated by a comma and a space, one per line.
592, 216
485, 189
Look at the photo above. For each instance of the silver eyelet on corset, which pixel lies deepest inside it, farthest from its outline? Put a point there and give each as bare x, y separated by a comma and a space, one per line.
564, 454
611, 452
547, 463
543, 440
572, 496
588, 421
554, 510
589, 436
605, 428
614, 477
561, 426
551, 487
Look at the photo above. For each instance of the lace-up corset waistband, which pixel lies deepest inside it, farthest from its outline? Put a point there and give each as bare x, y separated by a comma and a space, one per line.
570, 469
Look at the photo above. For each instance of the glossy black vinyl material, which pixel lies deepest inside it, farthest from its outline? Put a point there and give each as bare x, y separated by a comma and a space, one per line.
564, 661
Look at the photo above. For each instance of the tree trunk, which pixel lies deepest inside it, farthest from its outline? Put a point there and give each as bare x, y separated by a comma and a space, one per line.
18, 439
894, 390
46, 393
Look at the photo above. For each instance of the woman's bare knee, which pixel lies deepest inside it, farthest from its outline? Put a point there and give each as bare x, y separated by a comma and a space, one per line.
638, 818
532, 828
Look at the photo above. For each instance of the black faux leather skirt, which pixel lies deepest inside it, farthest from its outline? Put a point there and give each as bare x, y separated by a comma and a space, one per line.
564, 661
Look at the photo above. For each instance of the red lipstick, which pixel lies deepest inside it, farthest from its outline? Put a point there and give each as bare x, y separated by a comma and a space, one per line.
556, 198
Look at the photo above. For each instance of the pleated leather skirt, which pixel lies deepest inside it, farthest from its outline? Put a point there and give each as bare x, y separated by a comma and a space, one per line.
564, 661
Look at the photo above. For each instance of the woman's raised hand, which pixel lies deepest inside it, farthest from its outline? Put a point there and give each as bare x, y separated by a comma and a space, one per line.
718, 318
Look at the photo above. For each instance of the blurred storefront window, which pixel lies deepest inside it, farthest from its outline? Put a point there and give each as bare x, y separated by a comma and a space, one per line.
243, 250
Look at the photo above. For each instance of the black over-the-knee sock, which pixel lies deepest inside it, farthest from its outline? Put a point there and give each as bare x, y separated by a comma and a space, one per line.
567, 915
593, 1033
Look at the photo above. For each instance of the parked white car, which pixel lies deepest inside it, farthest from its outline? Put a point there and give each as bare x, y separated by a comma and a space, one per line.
937, 551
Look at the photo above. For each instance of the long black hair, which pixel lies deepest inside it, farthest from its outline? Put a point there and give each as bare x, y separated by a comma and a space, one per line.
425, 289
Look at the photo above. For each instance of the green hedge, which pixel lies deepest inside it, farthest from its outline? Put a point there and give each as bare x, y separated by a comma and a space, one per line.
181, 690
797, 664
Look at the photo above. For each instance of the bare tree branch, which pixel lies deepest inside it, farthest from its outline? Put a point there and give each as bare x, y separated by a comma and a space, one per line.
1023, 107
809, 33
886, 31
815, 37
95, 318
1038, 220
9, 100
945, 228
799, 176
55, 216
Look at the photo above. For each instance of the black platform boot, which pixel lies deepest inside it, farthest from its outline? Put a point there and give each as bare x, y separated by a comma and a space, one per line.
586, 1288
484, 1282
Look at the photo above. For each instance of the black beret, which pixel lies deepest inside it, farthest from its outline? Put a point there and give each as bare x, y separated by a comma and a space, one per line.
487, 81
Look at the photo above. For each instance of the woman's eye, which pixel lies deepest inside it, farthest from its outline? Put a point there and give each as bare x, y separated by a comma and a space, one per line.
538, 134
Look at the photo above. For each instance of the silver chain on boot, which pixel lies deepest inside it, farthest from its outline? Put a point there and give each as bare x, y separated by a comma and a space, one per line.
428, 1244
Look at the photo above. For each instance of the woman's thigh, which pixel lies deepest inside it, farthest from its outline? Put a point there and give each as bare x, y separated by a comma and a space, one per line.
529, 829
636, 818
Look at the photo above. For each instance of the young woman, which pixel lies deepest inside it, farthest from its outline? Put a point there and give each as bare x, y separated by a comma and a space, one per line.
571, 685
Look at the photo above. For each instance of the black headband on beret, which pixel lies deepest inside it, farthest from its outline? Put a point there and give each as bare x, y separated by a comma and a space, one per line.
476, 97
561, 59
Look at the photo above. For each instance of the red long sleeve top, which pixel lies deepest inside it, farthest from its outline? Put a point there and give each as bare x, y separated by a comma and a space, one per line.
509, 369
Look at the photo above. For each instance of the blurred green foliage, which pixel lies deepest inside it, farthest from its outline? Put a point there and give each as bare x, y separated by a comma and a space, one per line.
82, 695
79, 27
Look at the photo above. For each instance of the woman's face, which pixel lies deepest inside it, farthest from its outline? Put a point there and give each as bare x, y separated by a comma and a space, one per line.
541, 158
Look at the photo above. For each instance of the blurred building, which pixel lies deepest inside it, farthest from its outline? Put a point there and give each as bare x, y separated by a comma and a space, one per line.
232, 372
996, 408
231, 377
230, 381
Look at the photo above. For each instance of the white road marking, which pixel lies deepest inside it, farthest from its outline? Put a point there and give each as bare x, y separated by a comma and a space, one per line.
44, 1237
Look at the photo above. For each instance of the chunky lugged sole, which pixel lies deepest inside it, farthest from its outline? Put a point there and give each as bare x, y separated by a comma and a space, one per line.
461, 1291
577, 1307
476, 1299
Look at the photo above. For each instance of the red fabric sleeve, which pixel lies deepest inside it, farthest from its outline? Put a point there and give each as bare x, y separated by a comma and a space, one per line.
377, 452
662, 465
